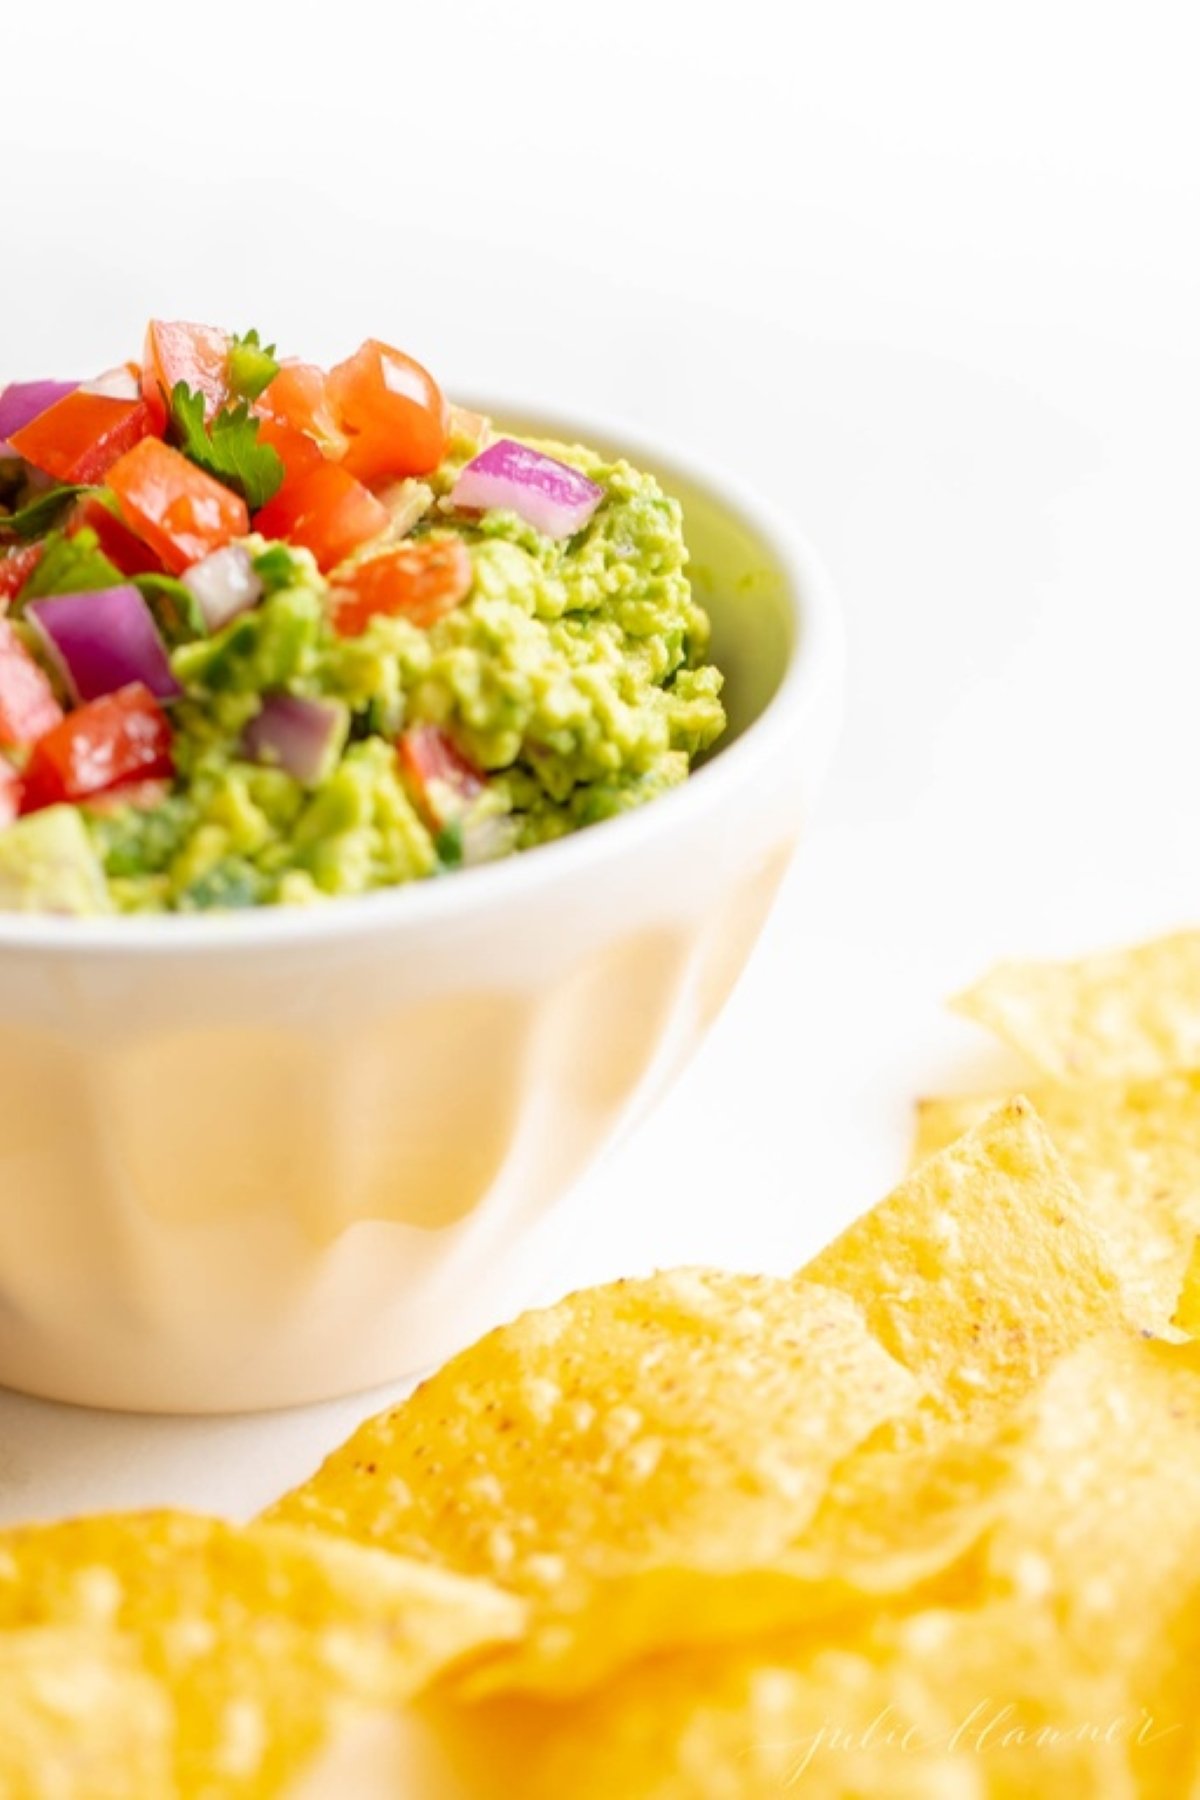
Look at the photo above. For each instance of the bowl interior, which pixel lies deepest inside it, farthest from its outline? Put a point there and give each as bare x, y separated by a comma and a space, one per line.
753, 623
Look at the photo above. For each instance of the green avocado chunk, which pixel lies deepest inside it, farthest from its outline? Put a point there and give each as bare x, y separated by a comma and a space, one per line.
48, 865
568, 682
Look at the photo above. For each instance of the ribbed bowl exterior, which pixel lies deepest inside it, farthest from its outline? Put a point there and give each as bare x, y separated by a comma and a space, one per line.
270, 1162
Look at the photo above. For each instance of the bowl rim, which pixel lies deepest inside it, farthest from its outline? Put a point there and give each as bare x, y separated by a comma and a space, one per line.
814, 666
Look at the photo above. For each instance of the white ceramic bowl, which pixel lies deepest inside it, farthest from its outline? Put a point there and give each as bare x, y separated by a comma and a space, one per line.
266, 1158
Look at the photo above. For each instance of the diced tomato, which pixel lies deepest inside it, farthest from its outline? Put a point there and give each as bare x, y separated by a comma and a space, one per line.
393, 411
28, 708
12, 790
195, 354
443, 781
16, 566
299, 397
423, 581
298, 453
178, 509
117, 542
81, 436
327, 511
120, 737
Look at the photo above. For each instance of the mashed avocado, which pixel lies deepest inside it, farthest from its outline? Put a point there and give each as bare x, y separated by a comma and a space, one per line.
572, 680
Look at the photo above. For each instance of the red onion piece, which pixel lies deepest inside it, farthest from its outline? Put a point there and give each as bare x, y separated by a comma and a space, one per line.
550, 496
303, 737
23, 401
224, 585
102, 641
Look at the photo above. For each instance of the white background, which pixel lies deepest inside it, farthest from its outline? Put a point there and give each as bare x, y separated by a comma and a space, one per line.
928, 274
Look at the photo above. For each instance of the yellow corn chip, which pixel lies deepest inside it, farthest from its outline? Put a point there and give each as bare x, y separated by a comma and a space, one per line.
904, 1530
971, 1702
1133, 1149
1186, 1315
79, 1720
1124, 1015
1100, 1519
747, 1723
1032, 1723
1000, 1695
261, 1636
978, 1271
692, 1418
896, 1530
941, 1120
899, 1522
896, 1516
1169, 1748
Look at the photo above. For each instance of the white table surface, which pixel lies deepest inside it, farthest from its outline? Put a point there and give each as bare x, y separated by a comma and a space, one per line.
928, 274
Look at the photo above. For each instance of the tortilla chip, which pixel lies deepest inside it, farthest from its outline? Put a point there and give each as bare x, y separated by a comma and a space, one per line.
1133, 1148
1169, 1746
1100, 1519
942, 1120
899, 1531
377, 1755
1026, 1716
1084, 1530
79, 1720
689, 1418
977, 1272
1186, 1313
942, 1527
1126, 1015
968, 1702
899, 1523
261, 1636
747, 1723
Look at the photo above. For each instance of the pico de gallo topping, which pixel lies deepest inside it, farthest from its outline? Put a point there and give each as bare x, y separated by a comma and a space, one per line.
272, 633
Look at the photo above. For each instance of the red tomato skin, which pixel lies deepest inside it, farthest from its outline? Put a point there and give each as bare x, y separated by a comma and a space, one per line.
326, 511
12, 790
28, 708
422, 581
80, 437
195, 354
16, 566
441, 778
298, 453
393, 411
181, 512
121, 737
118, 543
299, 397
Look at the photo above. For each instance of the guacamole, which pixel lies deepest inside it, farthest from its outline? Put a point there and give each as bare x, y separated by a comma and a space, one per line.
500, 647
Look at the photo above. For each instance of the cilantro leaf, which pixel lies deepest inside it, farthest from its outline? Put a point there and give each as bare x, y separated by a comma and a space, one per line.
33, 520
228, 448
71, 565
253, 366
448, 845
